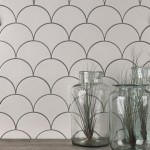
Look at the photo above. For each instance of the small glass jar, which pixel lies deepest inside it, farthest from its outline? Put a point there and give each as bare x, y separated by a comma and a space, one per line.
90, 110
130, 118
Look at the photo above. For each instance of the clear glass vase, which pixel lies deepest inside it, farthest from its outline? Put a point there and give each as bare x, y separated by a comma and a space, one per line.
140, 75
90, 110
130, 118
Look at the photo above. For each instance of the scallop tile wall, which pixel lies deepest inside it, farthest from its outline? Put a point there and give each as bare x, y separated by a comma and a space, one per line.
43, 46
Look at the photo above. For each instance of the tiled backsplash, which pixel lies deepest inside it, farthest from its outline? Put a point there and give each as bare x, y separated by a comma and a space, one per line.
43, 46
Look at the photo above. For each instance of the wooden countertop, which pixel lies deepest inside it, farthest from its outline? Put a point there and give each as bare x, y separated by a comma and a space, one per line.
43, 145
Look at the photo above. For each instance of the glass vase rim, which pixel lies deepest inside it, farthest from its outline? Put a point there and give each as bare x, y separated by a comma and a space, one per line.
90, 72
141, 67
131, 85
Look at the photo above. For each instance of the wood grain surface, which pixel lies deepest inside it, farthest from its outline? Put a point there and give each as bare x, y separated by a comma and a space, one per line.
50, 144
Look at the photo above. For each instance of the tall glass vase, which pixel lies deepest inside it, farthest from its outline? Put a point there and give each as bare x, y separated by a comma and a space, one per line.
90, 111
130, 118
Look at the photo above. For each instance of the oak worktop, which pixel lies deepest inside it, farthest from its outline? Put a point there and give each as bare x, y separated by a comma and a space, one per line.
48, 144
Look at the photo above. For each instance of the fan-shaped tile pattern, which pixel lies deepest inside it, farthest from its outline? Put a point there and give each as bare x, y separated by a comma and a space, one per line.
42, 70
141, 48
51, 5
118, 35
51, 106
51, 35
15, 70
122, 68
43, 46
122, 5
87, 5
87, 35
33, 52
39, 17
108, 16
146, 35
7, 16
33, 124
6, 84
6, 124
6, 52
65, 85
15, 106
73, 50
65, 126
74, 14
138, 17
103, 53
145, 3
51, 135
84, 65
35, 88
15, 35
15, 133
16, 5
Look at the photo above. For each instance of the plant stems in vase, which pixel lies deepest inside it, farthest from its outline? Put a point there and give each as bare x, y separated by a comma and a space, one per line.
88, 109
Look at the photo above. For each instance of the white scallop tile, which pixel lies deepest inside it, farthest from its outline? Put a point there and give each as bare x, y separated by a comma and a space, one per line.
54, 74
138, 17
72, 16
51, 135
6, 17
33, 52
6, 88
108, 17
119, 70
122, 5
6, 124
6, 52
65, 84
15, 35
145, 3
33, 88
139, 48
145, 36
15, 134
16, 5
104, 53
51, 5
63, 124
87, 5
85, 65
51, 106
39, 17
33, 124
15, 106
51, 35
87, 35
15, 70
118, 35
72, 50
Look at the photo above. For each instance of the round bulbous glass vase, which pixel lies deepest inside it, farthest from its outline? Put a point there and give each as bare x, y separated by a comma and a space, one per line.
90, 111
130, 118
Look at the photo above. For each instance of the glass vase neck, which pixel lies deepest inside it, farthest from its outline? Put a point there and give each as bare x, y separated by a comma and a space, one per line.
89, 77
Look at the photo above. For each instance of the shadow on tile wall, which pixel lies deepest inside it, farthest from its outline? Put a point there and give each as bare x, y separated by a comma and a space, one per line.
43, 46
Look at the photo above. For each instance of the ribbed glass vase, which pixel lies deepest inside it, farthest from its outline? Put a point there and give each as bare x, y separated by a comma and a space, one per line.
130, 118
